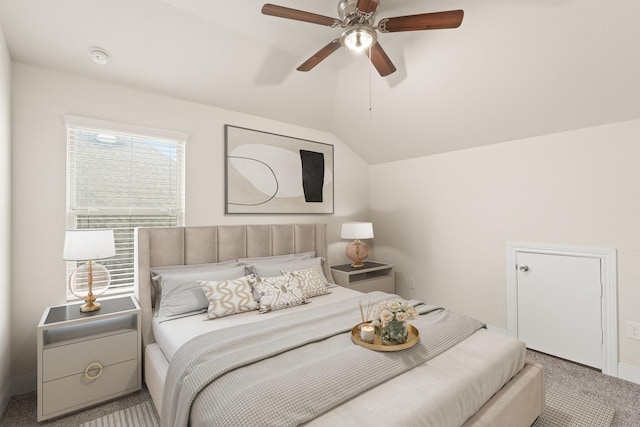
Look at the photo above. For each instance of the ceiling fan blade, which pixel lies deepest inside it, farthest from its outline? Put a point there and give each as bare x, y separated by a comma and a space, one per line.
380, 60
368, 6
298, 15
424, 21
320, 55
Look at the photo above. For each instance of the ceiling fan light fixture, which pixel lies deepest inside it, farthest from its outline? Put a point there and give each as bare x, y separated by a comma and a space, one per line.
358, 38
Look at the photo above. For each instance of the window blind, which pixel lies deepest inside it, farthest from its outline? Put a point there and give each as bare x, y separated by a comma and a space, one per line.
120, 180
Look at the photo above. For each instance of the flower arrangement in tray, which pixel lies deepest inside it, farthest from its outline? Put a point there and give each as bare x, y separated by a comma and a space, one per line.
391, 321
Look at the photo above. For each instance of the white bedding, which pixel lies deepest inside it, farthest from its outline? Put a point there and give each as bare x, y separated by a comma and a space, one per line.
445, 391
170, 335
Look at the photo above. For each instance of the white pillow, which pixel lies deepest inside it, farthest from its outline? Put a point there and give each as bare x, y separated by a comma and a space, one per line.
180, 292
228, 297
275, 269
277, 292
277, 258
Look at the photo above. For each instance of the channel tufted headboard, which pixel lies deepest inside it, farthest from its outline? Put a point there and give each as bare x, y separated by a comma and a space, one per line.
163, 246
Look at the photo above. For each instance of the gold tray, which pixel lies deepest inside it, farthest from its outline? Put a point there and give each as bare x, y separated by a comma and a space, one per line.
412, 339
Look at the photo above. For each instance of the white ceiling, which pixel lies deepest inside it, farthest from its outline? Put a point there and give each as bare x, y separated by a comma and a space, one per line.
514, 68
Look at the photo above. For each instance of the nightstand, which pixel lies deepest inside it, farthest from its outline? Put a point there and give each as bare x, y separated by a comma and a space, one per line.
372, 277
87, 358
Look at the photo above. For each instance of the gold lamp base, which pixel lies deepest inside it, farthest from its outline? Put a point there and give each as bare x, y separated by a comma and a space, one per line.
91, 274
91, 305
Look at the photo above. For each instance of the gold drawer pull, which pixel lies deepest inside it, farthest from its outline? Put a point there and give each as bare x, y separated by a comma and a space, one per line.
92, 367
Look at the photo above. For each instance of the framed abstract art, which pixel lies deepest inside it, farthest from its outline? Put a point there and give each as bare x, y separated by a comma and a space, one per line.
268, 173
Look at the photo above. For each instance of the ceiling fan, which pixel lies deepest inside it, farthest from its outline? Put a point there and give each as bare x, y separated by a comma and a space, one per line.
357, 17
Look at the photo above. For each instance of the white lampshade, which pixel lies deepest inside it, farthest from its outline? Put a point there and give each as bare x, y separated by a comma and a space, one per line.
357, 230
83, 245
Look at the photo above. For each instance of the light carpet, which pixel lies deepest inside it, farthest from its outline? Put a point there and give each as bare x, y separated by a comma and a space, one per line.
565, 410
562, 410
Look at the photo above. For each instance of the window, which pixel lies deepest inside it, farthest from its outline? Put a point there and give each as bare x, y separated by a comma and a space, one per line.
120, 177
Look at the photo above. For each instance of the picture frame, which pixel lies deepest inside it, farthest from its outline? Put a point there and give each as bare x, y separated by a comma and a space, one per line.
268, 173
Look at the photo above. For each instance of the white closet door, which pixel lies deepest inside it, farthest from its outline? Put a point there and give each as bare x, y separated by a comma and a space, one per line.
559, 306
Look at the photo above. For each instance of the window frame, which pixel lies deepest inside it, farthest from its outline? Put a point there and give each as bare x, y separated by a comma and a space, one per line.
74, 214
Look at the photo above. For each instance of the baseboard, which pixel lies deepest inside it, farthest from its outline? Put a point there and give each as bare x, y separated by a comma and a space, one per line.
24, 384
629, 373
5, 396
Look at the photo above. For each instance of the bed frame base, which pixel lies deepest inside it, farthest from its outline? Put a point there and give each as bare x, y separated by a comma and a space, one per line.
516, 404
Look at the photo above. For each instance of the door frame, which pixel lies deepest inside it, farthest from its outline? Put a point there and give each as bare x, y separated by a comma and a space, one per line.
608, 301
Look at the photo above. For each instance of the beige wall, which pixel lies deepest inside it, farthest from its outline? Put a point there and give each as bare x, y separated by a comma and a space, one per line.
41, 98
5, 221
444, 220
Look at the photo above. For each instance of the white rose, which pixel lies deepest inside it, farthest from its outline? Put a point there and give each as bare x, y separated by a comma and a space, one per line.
386, 316
412, 313
394, 305
401, 316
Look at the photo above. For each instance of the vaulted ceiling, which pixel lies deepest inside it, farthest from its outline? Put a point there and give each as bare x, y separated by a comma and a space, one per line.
514, 68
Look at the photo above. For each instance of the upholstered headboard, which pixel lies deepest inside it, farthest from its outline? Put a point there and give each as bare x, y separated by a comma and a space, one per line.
163, 246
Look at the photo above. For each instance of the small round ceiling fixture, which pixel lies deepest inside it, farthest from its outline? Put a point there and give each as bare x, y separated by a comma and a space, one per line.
99, 55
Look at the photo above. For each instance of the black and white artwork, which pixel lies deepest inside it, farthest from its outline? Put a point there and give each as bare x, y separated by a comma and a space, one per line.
270, 173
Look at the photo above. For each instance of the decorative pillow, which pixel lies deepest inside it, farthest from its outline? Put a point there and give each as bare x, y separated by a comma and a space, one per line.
311, 281
228, 297
277, 258
180, 293
277, 292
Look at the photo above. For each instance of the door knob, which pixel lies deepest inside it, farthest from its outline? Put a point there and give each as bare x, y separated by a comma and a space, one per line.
524, 268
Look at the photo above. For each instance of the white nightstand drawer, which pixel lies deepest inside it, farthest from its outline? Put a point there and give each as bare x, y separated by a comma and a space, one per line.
76, 391
65, 360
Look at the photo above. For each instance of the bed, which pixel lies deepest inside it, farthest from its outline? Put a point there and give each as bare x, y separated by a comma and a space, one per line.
482, 380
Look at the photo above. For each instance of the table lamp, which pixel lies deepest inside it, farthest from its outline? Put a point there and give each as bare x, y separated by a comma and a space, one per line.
357, 251
91, 279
